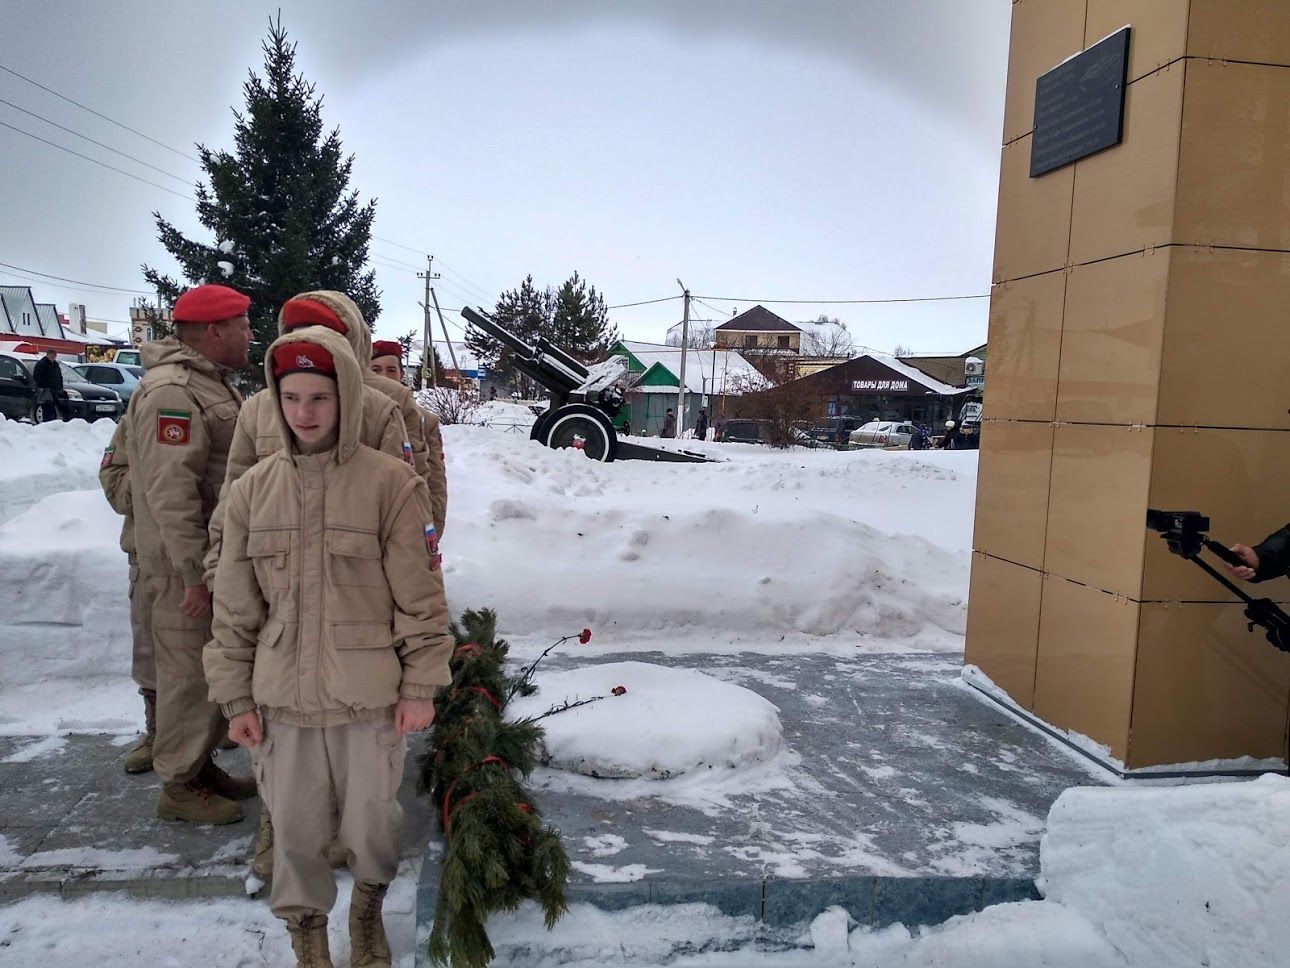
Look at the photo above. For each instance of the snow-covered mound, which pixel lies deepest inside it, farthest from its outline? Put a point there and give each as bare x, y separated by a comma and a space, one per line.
1195, 875
872, 546
65, 579
668, 723
43, 459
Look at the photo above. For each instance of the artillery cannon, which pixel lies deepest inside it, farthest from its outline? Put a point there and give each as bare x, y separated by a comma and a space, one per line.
584, 399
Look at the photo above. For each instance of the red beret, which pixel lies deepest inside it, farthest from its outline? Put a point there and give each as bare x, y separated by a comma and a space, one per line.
387, 347
302, 357
209, 304
298, 312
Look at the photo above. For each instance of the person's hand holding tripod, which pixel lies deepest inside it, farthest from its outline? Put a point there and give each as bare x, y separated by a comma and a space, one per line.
1248, 570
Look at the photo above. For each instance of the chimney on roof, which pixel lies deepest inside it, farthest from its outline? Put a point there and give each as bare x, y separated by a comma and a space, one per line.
76, 318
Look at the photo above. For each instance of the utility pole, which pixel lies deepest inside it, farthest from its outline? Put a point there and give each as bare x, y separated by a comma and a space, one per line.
444, 326
685, 340
427, 336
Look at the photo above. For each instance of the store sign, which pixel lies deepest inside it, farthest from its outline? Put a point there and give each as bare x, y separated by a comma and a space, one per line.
880, 386
976, 379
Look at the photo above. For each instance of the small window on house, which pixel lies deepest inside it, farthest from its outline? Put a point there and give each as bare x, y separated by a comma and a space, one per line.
750, 341
784, 342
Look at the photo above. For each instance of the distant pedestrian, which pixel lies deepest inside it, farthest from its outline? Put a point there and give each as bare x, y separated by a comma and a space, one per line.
669, 424
922, 438
701, 426
950, 439
492, 394
49, 385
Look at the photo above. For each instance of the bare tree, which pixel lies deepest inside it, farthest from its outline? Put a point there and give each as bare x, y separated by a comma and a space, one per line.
902, 350
784, 409
702, 335
827, 336
449, 405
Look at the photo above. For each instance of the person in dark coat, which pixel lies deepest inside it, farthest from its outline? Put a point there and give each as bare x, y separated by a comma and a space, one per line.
1268, 559
701, 426
49, 380
922, 438
950, 440
669, 424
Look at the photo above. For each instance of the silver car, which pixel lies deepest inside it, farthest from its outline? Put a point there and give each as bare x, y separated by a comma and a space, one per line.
892, 434
116, 376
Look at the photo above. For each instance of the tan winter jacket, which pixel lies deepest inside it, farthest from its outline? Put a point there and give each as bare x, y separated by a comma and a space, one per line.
258, 434
114, 478
326, 606
427, 461
437, 470
181, 423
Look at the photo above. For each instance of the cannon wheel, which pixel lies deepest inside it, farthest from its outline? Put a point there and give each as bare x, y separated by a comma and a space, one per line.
578, 421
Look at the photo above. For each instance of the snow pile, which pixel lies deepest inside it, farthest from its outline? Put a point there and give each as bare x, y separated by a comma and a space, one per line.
768, 546
39, 460
66, 580
668, 723
506, 416
1194, 875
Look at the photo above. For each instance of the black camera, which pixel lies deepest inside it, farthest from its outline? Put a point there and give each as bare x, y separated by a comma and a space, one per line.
1184, 532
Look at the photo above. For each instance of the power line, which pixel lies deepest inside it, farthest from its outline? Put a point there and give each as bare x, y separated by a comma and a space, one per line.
120, 171
846, 302
79, 282
97, 114
646, 302
138, 161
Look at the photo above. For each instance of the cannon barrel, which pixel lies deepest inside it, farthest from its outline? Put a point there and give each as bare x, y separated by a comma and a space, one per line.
549, 365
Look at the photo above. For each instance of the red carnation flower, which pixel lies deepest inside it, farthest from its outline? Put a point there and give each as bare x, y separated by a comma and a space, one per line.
585, 637
619, 690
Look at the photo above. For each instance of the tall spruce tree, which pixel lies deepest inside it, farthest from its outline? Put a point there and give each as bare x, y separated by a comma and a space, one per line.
580, 324
279, 207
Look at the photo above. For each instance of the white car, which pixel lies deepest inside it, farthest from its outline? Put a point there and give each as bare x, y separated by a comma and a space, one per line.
883, 433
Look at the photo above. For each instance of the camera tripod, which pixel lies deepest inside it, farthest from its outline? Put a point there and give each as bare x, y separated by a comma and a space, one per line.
1184, 532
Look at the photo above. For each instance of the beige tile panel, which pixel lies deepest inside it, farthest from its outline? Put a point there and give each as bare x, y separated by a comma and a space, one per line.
1025, 339
1033, 223
1012, 491
1085, 663
1232, 184
1044, 33
1003, 625
1124, 196
1246, 30
1112, 332
1237, 478
1097, 506
1205, 688
1226, 341
1159, 34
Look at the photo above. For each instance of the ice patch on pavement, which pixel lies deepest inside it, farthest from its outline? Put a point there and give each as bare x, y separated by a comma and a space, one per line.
36, 749
607, 874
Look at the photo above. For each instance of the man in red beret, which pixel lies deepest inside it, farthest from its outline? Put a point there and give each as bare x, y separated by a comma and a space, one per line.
387, 361
181, 422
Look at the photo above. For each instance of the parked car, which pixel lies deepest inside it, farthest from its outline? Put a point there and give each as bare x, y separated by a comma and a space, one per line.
835, 430
116, 376
79, 398
883, 433
743, 431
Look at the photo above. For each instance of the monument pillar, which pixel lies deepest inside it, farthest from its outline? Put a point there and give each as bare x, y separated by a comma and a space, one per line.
1139, 356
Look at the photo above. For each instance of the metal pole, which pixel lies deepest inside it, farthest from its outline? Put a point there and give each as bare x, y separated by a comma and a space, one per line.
685, 339
427, 352
451, 352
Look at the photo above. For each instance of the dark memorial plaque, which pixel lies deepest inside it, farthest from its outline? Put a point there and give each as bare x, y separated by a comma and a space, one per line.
1079, 105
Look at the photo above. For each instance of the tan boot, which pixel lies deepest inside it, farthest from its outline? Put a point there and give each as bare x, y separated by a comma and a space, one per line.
368, 946
196, 802
309, 941
229, 787
138, 759
262, 856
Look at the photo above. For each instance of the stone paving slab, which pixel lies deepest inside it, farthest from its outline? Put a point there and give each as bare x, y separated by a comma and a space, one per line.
73, 821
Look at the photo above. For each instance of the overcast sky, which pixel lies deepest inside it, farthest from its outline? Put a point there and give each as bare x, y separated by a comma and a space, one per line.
757, 150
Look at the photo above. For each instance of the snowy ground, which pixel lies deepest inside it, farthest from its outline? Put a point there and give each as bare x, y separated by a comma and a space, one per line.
766, 552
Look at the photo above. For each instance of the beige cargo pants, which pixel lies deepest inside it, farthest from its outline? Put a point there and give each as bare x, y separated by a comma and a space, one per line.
299, 770
188, 724
143, 663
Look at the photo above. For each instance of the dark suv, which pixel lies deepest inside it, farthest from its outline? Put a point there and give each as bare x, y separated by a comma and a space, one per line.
836, 431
